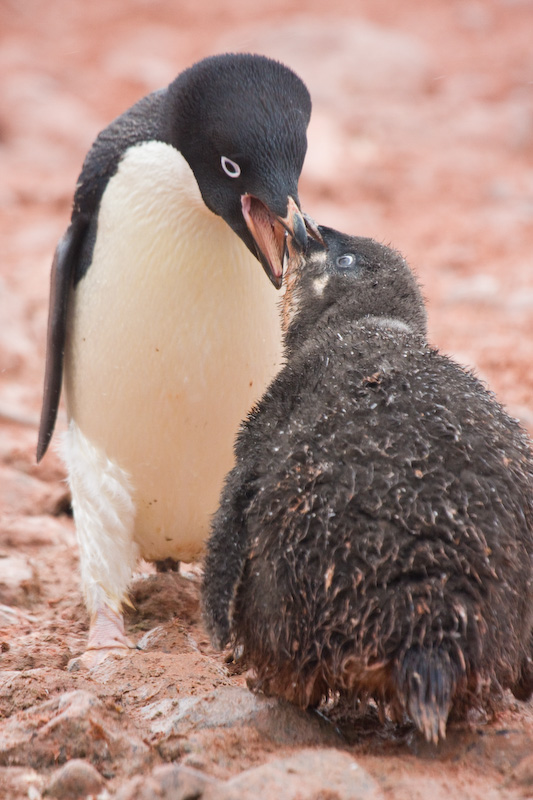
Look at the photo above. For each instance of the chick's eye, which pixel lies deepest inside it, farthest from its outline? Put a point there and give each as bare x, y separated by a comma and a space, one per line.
346, 261
231, 168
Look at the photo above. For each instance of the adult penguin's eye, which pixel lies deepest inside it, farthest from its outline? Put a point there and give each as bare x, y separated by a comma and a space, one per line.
346, 261
231, 168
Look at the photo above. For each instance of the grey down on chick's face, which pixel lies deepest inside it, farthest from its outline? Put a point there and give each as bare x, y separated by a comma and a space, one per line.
374, 538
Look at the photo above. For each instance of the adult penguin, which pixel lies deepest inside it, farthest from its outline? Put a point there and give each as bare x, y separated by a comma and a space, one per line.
162, 329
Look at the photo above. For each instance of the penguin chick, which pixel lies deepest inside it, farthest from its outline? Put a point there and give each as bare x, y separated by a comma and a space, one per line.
375, 537
161, 327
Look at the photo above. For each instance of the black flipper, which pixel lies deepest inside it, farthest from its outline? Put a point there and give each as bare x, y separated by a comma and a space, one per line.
63, 268
145, 121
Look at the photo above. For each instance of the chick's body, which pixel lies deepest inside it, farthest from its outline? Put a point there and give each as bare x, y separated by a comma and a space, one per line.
380, 512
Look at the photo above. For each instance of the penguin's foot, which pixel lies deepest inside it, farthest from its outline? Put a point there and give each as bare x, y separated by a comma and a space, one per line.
106, 631
106, 637
167, 565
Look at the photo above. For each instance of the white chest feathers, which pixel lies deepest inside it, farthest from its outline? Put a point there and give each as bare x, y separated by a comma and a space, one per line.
174, 333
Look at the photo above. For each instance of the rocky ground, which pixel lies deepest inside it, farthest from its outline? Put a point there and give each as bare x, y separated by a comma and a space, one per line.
422, 136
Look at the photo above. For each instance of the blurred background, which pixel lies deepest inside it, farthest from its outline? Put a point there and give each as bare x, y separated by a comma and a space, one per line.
421, 136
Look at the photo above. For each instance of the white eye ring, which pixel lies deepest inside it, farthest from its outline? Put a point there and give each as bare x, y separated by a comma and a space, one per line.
345, 261
231, 169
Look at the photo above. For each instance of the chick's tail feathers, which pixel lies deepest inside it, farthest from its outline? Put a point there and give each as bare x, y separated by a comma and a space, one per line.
426, 682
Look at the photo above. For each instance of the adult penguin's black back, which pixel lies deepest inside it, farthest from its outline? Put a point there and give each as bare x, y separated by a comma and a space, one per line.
375, 537
163, 328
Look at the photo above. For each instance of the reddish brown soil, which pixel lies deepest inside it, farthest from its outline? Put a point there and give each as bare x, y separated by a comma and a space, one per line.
424, 140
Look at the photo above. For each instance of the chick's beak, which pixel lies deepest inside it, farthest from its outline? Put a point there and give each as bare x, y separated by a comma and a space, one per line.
270, 233
294, 224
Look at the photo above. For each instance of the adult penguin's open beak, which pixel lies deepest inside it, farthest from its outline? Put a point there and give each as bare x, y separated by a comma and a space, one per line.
270, 232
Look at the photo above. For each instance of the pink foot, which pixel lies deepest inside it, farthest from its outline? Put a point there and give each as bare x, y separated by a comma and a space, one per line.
106, 631
106, 637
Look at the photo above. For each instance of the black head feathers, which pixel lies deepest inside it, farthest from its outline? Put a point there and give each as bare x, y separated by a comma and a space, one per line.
253, 114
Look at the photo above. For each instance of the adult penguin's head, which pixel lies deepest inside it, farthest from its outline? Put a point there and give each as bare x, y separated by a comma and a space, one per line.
240, 121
